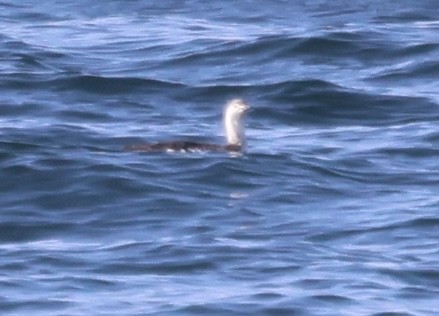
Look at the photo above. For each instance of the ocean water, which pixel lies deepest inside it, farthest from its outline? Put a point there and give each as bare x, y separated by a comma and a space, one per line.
333, 209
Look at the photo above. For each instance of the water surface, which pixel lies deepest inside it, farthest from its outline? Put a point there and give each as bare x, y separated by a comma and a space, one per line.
332, 210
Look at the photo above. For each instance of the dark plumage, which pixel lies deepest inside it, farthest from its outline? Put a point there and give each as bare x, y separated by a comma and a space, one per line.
182, 146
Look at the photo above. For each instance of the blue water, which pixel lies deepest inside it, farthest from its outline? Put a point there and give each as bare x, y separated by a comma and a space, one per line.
332, 210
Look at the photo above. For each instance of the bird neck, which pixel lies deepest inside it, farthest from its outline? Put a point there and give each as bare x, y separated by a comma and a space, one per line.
233, 129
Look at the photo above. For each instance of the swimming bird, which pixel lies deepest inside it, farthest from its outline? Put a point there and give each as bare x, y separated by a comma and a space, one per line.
233, 127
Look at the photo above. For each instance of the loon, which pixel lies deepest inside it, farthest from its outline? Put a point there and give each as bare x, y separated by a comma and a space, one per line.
233, 127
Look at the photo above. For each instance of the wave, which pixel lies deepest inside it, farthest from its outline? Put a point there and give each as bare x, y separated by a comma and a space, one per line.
89, 83
426, 70
310, 101
272, 48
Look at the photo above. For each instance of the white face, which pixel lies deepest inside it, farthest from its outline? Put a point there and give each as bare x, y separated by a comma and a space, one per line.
239, 106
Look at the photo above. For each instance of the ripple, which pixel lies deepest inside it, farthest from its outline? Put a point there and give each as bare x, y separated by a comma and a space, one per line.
333, 207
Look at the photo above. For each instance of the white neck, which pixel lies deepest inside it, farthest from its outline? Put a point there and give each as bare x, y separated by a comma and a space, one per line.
233, 127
